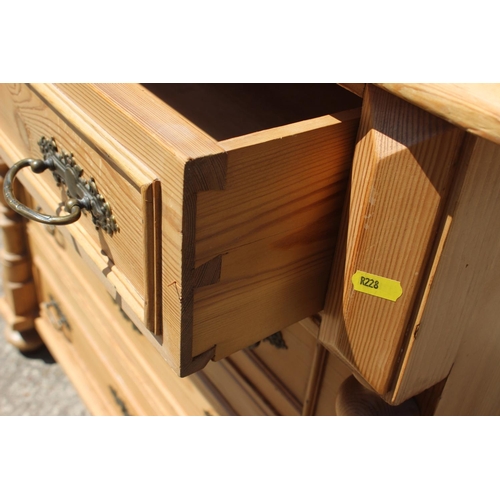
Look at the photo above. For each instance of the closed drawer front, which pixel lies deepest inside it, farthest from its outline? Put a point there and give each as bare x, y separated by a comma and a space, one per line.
238, 243
279, 368
91, 371
155, 387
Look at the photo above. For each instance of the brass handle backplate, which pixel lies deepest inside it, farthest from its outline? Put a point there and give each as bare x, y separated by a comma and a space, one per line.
82, 194
57, 317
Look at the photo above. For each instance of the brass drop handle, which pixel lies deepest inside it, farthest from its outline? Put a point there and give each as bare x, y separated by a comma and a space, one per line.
37, 166
82, 194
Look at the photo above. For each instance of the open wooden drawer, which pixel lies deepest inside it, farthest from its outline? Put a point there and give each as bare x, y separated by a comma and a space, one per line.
227, 199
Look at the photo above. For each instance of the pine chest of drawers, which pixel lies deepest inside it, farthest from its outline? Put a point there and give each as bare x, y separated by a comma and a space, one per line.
209, 220
186, 224
222, 212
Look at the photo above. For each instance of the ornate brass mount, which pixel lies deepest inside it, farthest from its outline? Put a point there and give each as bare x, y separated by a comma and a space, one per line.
82, 194
119, 401
58, 319
276, 340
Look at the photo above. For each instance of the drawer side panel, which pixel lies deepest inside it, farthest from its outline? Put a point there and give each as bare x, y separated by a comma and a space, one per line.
274, 229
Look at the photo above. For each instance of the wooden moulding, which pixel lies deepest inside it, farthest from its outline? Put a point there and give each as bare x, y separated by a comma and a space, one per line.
474, 107
281, 374
248, 223
405, 167
93, 372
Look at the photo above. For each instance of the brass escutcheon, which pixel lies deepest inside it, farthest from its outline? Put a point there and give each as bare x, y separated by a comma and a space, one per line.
57, 317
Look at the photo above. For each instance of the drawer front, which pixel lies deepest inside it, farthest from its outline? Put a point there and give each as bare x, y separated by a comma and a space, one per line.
239, 393
85, 364
279, 368
155, 386
125, 257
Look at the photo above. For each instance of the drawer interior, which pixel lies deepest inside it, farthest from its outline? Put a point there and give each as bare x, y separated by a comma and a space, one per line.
226, 110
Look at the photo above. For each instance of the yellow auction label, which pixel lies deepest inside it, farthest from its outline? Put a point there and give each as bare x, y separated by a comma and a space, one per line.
379, 286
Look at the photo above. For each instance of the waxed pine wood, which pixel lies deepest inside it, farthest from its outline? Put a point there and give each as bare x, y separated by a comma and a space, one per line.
467, 289
76, 296
280, 374
88, 367
474, 107
37, 197
137, 373
24, 118
290, 230
402, 175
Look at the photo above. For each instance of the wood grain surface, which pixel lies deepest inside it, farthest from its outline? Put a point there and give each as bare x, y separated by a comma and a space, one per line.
248, 224
237, 390
474, 107
152, 387
25, 117
470, 291
275, 225
400, 181
280, 374
433, 337
169, 145
201, 223
77, 351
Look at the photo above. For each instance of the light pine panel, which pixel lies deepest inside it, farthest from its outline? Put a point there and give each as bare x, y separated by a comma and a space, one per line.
467, 308
434, 330
72, 344
34, 119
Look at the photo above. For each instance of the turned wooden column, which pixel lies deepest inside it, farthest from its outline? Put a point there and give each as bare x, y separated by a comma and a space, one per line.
19, 305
